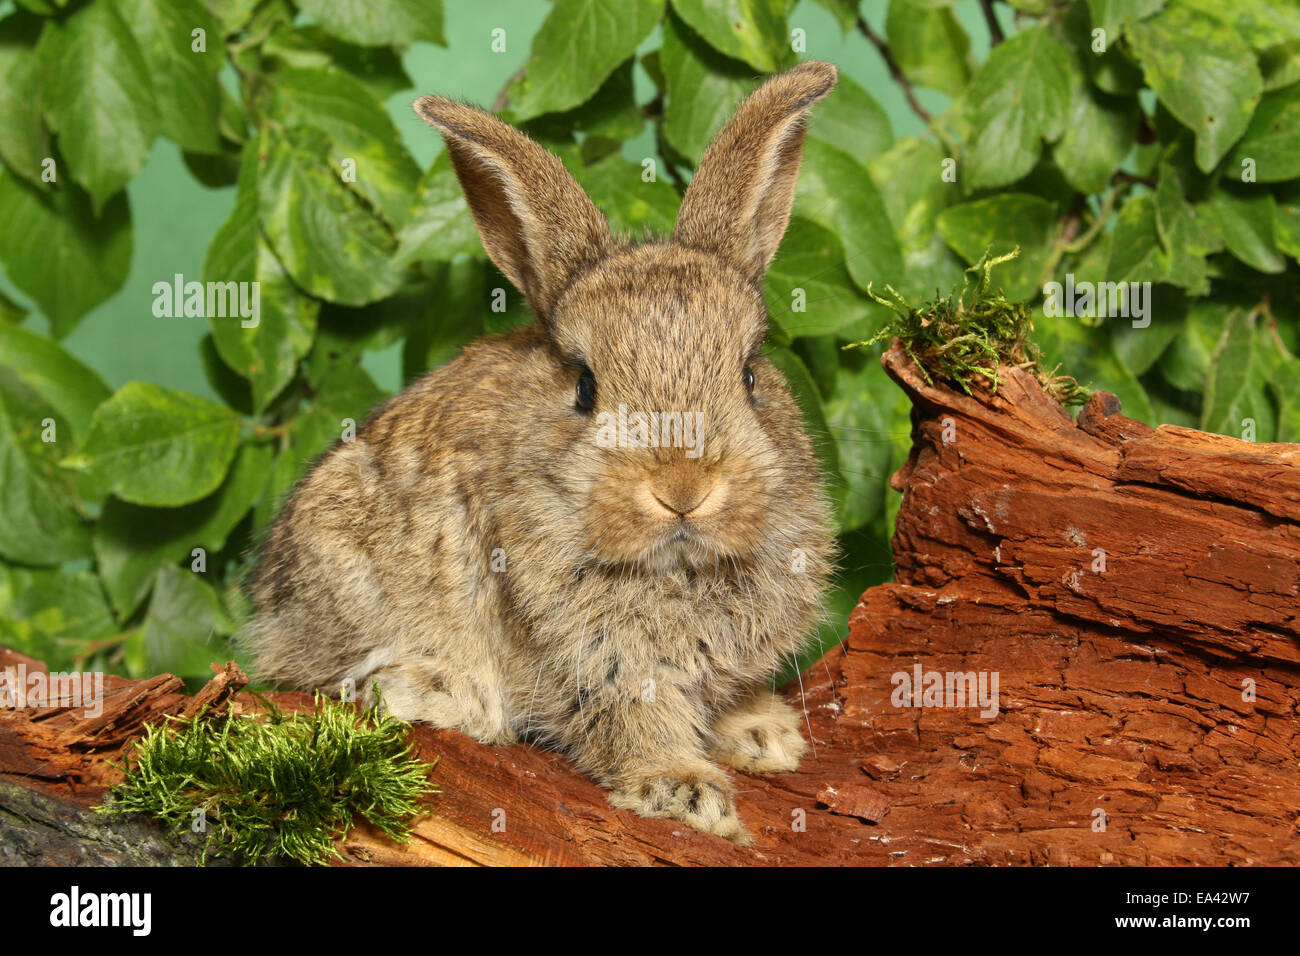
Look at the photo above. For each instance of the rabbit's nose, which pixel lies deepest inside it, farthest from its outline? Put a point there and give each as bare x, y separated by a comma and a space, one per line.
679, 506
684, 492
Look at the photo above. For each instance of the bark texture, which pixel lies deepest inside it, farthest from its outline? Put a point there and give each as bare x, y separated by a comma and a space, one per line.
1136, 592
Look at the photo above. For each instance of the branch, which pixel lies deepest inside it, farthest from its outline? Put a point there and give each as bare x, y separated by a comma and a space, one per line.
1123, 177
1069, 242
865, 29
503, 98
661, 147
995, 29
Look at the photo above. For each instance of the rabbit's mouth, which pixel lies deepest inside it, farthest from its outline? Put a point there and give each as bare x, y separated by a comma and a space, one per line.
682, 549
688, 545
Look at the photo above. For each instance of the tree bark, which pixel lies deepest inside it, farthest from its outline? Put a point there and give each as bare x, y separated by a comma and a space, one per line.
1135, 592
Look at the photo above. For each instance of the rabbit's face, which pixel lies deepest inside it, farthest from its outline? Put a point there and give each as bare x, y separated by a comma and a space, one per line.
681, 452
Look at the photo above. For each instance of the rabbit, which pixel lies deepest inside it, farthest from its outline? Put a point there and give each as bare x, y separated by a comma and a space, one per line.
481, 559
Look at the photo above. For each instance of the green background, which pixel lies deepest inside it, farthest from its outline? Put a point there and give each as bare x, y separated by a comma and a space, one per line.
175, 215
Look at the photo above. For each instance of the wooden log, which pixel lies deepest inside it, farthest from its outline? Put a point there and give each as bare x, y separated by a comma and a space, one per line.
1135, 593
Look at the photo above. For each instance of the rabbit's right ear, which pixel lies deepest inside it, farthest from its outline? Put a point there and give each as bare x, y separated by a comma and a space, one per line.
536, 222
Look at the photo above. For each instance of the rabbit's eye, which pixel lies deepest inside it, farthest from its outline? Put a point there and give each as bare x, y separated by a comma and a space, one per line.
749, 380
586, 390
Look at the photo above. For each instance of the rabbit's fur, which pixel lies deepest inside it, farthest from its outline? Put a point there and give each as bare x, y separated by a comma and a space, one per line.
477, 555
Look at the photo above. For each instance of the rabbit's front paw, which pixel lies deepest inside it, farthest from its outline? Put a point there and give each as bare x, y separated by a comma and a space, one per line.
698, 795
762, 735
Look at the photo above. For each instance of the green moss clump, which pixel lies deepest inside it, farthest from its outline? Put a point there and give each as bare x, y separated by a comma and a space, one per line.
963, 335
283, 785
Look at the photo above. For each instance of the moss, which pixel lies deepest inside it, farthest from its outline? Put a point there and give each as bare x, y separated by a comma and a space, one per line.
962, 336
277, 785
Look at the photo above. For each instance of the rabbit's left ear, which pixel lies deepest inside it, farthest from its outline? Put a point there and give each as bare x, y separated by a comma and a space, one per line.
738, 204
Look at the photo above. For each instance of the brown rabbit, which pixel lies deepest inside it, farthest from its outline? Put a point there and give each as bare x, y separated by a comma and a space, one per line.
499, 555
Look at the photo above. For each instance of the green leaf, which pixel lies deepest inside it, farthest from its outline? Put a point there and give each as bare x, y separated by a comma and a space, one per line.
1247, 225
184, 617
23, 140
836, 192
1229, 395
52, 615
11, 313
379, 22
1273, 138
1099, 132
359, 130
378, 68
233, 14
214, 170
1138, 349
346, 333
909, 180
1111, 15
46, 8
929, 45
1288, 391
1280, 65
703, 89
73, 389
579, 44
344, 392
229, 386
184, 81
1262, 23
157, 446
325, 234
809, 400
1019, 98
809, 290
1203, 72
233, 118
1286, 225
39, 523
132, 542
1186, 363
48, 236
98, 96
1135, 252
1114, 73
1283, 374
852, 121
1111, 71
439, 227
266, 353
862, 416
464, 294
289, 466
632, 205
612, 113
1185, 233
845, 11
999, 224
751, 30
